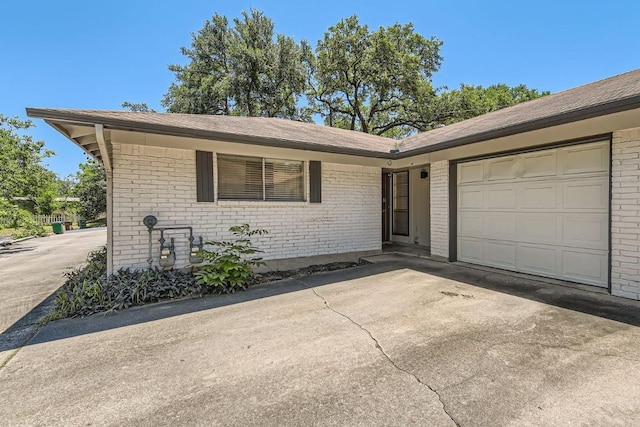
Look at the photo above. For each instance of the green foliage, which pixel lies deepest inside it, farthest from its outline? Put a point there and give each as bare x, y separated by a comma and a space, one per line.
31, 229
20, 157
230, 263
471, 101
88, 290
374, 81
12, 216
138, 107
19, 219
92, 189
242, 69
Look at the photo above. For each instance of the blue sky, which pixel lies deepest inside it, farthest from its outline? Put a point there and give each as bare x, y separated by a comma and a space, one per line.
86, 54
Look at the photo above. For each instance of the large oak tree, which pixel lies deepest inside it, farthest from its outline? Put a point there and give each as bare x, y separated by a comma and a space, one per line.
240, 69
375, 81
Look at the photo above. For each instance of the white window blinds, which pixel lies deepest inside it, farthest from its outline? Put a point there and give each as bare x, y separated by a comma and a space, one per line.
256, 178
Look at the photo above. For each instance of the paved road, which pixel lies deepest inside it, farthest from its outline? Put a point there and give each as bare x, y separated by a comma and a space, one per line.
402, 342
32, 270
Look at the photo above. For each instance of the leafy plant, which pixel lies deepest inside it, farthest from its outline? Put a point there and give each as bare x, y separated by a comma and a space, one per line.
31, 229
230, 263
88, 290
19, 219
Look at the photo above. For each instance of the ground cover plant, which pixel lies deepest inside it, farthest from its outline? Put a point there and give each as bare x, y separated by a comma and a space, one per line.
88, 290
229, 268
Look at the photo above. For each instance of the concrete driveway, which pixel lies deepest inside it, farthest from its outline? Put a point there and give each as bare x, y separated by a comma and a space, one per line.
402, 342
31, 271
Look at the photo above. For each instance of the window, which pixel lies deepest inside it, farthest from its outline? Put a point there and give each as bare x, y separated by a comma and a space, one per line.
256, 178
401, 203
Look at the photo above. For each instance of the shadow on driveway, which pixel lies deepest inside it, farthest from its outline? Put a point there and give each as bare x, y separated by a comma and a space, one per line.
567, 296
9, 250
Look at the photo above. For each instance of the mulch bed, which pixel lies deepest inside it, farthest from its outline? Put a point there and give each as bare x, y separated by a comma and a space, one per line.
273, 276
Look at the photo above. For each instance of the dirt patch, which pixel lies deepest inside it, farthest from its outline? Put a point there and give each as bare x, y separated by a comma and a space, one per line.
273, 276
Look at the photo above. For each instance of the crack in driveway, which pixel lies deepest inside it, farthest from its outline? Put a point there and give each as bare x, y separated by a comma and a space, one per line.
383, 352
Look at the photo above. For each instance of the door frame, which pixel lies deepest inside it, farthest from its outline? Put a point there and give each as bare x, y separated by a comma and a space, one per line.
387, 195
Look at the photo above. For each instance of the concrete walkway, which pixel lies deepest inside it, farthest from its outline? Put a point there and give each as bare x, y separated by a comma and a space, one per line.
402, 342
30, 272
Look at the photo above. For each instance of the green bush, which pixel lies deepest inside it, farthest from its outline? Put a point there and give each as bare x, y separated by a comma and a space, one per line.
13, 216
88, 290
230, 263
21, 220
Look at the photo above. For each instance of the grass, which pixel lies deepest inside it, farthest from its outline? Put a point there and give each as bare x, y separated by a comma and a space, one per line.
17, 233
8, 232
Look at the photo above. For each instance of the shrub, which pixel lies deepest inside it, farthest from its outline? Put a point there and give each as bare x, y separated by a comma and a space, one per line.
21, 220
230, 263
12, 215
88, 290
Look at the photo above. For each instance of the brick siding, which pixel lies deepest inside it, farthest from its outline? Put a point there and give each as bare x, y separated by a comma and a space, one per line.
440, 209
162, 182
625, 214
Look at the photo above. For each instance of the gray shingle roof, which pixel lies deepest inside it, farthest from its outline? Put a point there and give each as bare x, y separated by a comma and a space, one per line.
254, 130
615, 94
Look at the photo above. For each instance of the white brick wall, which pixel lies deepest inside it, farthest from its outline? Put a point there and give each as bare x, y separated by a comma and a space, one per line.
625, 214
162, 182
440, 209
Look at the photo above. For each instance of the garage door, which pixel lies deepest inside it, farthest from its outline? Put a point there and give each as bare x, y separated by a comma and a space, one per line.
542, 212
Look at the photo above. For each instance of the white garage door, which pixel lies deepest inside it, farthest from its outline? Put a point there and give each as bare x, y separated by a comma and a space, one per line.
543, 212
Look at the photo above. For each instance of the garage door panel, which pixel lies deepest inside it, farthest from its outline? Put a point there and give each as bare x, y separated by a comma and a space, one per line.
540, 164
471, 225
539, 196
502, 197
470, 249
538, 259
501, 168
471, 172
590, 193
582, 159
585, 267
544, 212
586, 231
501, 226
500, 254
471, 198
538, 228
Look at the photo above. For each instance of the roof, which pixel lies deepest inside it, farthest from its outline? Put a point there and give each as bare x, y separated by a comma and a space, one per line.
608, 96
250, 130
611, 95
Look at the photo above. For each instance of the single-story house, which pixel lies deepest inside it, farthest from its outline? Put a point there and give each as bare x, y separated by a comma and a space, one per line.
550, 187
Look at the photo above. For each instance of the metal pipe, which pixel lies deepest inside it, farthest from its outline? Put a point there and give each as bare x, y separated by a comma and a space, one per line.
150, 259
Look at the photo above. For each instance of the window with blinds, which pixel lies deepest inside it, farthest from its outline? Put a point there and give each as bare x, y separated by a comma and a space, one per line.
401, 203
256, 178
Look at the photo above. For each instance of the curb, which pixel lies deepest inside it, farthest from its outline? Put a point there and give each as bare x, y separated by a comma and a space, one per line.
11, 242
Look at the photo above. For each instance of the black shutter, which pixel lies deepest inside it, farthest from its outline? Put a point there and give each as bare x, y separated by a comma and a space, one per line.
204, 176
315, 181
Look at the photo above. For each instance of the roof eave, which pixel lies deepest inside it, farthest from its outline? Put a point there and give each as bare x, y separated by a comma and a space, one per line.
62, 130
617, 106
53, 117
